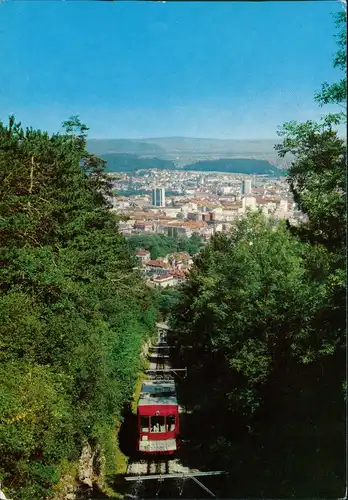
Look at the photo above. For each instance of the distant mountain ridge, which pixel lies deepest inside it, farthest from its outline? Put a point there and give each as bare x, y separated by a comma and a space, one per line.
220, 155
202, 145
130, 146
167, 146
235, 165
118, 162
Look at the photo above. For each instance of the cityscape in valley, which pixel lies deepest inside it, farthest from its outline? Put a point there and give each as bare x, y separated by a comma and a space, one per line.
180, 203
173, 233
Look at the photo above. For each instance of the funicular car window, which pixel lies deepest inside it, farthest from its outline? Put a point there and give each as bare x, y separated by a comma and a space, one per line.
144, 424
170, 421
157, 424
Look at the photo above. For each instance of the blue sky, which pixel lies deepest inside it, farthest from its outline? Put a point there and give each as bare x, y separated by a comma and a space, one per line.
148, 69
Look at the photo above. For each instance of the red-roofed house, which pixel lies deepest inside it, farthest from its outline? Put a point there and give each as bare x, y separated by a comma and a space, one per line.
163, 281
156, 264
143, 255
178, 275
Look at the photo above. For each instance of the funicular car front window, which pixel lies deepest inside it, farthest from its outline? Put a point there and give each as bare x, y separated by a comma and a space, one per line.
144, 424
170, 423
157, 424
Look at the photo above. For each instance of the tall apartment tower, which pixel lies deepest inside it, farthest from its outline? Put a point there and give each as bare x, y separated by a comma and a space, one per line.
159, 197
246, 186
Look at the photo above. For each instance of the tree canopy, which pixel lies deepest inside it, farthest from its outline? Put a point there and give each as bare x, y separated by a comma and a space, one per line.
162, 245
336, 93
73, 311
260, 324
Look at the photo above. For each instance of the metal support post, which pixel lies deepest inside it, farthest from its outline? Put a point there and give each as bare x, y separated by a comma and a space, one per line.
203, 486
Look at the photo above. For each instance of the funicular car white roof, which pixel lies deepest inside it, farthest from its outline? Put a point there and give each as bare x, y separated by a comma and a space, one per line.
158, 392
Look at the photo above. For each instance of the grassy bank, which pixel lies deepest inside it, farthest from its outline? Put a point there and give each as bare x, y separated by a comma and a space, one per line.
121, 444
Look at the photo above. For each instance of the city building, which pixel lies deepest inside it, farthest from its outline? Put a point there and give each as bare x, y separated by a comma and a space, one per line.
143, 255
249, 202
246, 186
194, 216
191, 210
163, 281
159, 197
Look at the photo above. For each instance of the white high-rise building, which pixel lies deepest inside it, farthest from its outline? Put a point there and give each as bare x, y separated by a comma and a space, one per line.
159, 197
246, 186
249, 202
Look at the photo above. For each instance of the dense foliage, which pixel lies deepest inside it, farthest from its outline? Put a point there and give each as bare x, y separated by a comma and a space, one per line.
260, 324
166, 299
253, 302
73, 311
161, 245
336, 92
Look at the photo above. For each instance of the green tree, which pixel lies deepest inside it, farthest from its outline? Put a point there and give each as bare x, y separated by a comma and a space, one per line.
161, 245
317, 179
166, 299
336, 93
260, 323
317, 176
73, 311
245, 302
247, 326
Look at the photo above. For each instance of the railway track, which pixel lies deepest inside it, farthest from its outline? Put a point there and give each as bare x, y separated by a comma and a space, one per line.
147, 476
159, 360
158, 470
157, 466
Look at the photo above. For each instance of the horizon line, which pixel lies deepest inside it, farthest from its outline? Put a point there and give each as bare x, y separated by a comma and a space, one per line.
177, 137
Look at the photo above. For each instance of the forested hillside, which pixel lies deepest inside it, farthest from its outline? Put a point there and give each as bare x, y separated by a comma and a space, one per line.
131, 163
73, 312
117, 162
235, 165
261, 326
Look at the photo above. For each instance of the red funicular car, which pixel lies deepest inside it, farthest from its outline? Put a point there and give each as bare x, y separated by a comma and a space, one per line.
158, 417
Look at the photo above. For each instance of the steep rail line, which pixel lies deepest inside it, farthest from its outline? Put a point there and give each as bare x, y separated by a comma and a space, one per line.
159, 360
140, 472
